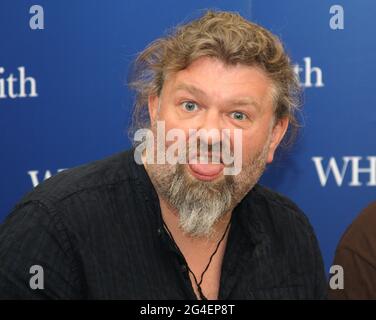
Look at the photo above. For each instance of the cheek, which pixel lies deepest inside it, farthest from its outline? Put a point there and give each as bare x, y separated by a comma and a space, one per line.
171, 119
168, 121
180, 128
251, 145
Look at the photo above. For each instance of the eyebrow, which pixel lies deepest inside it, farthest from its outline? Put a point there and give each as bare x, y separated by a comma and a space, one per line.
246, 101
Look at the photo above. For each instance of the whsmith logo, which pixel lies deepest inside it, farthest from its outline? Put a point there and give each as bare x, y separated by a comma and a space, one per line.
347, 171
17, 85
309, 76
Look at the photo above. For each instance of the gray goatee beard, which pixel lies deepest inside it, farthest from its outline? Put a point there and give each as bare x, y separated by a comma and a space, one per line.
201, 204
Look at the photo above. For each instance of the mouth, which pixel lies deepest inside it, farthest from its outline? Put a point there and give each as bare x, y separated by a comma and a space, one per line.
206, 172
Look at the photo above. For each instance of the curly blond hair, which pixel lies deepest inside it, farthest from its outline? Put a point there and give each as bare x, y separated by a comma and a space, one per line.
228, 37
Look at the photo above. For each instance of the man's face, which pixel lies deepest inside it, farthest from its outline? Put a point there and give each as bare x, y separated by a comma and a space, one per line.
211, 95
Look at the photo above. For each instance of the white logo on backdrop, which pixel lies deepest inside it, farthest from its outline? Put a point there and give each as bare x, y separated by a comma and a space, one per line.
309, 76
17, 85
347, 171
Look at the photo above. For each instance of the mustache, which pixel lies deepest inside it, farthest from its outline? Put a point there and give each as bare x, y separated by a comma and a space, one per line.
215, 153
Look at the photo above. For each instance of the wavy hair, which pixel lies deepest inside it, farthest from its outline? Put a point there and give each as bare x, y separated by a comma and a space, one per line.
228, 37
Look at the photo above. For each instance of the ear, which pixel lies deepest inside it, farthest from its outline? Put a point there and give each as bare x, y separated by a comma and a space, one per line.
153, 108
278, 133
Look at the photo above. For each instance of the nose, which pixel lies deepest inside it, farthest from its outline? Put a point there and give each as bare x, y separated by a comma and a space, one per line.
210, 127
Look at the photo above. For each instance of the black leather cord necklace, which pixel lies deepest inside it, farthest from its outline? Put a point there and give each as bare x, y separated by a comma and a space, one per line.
198, 283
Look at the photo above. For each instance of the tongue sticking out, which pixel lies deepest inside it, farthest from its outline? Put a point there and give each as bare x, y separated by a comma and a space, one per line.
206, 171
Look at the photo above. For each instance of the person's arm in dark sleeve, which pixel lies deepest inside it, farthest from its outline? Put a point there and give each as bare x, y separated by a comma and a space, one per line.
33, 236
359, 276
356, 254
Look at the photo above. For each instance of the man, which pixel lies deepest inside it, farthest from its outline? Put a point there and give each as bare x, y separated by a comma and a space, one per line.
191, 223
356, 254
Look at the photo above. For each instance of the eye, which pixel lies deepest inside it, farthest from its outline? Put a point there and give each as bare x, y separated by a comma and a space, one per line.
240, 116
189, 106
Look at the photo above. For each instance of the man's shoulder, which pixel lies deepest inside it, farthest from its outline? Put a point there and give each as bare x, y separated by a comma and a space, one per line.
94, 175
277, 222
277, 209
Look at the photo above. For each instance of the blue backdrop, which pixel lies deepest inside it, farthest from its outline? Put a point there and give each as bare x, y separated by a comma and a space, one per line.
64, 102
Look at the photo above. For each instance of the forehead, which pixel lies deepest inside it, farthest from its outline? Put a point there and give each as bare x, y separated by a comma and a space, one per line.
221, 82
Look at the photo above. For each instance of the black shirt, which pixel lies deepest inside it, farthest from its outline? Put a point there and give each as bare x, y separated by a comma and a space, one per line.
97, 232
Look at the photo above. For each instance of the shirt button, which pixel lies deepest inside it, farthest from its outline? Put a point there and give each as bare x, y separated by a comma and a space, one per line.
159, 231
